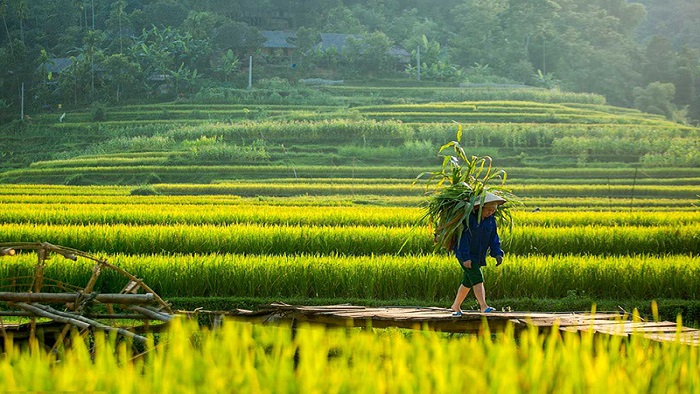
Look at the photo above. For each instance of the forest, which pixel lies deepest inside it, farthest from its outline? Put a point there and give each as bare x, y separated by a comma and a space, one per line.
643, 55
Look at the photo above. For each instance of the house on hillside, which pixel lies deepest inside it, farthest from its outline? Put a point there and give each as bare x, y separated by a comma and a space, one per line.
334, 41
54, 67
277, 43
402, 56
338, 41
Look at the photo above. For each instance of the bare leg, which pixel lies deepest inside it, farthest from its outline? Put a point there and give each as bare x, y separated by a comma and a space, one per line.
461, 295
480, 295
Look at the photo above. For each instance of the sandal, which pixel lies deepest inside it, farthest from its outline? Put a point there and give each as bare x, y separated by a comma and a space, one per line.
489, 310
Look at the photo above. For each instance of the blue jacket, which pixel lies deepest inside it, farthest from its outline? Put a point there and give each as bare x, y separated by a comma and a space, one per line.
477, 240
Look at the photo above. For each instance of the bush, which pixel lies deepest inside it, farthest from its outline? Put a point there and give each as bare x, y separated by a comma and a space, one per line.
98, 112
144, 190
76, 180
213, 149
152, 178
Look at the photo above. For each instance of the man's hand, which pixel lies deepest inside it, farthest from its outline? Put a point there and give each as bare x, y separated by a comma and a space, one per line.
467, 264
499, 260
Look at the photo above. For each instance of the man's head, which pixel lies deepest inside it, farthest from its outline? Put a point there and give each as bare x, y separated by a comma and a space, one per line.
491, 203
489, 209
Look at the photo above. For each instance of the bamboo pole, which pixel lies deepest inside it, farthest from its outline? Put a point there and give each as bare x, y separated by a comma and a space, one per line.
126, 316
42, 313
106, 298
73, 254
152, 314
77, 320
61, 338
93, 278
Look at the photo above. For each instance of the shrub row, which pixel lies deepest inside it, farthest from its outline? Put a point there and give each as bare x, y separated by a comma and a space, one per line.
197, 210
350, 240
431, 94
429, 278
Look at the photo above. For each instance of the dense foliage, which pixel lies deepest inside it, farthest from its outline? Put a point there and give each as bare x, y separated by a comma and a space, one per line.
131, 50
189, 142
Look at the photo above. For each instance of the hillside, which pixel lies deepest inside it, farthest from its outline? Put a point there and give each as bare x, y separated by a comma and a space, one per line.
73, 53
230, 188
358, 132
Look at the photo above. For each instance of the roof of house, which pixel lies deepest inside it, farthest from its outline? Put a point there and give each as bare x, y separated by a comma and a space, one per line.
58, 64
398, 51
276, 39
339, 41
334, 40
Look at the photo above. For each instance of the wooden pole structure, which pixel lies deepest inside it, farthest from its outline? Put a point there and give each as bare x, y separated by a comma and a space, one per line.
250, 73
76, 320
155, 315
21, 111
129, 316
72, 297
418, 61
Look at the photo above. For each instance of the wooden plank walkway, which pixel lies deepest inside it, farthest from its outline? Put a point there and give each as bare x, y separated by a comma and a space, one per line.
441, 319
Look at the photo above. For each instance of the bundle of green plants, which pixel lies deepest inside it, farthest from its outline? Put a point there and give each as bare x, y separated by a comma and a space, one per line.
461, 188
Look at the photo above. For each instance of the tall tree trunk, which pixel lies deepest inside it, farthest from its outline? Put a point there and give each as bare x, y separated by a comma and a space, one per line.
7, 31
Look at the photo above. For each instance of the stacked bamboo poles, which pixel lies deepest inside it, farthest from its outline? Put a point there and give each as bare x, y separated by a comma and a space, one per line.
135, 296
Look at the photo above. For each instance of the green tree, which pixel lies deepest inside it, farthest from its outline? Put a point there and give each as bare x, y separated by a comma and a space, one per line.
72, 82
660, 60
117, 23
22, 9
342, 20
686, 79
16, 67
677, 20
371, 14
590, 51
184, 79
656, 98
369, 53
435, 62
478, 35
240, 37
162, 53
227, 65
122, 78
408, 28
307, 38
3, 13
161, 14
201, 24
527, 25
91, 51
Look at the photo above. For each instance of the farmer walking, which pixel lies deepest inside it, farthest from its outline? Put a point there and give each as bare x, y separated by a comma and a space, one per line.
478, 238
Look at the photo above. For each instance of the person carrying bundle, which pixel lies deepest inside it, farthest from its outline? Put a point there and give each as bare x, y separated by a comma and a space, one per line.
479, 237
463, 208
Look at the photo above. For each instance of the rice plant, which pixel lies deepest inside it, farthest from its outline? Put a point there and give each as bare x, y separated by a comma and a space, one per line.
311, 359
429, 279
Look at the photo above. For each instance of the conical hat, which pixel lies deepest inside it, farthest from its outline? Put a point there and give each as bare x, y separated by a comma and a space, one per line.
490, 197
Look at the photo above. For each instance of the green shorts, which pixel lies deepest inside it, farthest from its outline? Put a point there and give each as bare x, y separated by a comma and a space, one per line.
472, 276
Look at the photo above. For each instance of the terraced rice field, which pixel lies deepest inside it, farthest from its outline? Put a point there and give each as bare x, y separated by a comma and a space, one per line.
227, 205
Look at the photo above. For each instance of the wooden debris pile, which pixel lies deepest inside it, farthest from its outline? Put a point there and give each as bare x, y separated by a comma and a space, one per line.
47, 309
